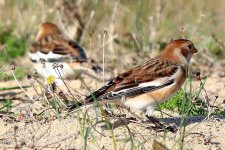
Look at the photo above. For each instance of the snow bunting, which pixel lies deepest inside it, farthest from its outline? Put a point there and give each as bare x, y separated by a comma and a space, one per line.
53, 47
153, 82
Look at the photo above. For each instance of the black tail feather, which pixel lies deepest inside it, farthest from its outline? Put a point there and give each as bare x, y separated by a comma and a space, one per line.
74, 106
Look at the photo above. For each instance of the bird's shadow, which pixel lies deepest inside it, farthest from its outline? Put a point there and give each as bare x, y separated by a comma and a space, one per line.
176, 121
187, 120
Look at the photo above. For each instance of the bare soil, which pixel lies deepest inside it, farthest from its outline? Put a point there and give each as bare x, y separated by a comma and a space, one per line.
24, 130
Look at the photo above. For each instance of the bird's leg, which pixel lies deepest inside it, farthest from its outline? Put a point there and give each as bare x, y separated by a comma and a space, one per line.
160, 125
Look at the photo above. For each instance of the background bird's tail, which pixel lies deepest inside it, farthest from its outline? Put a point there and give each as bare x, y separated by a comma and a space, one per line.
95, 66
91, 69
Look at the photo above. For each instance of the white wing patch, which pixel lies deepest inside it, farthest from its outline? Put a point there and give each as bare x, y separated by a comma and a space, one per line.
156, 83
37, 56
33, 56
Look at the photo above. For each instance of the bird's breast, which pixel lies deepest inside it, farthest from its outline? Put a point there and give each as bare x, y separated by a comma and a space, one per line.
165, 93
158, 96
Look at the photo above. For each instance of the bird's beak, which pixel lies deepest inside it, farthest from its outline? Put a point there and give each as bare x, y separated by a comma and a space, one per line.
194, 50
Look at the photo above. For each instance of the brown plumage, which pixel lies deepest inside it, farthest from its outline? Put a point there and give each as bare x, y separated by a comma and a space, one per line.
52, 46
50, 39
149, 71
150, 83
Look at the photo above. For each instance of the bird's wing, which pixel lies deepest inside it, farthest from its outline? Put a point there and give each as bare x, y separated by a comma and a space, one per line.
57, 48
152, 75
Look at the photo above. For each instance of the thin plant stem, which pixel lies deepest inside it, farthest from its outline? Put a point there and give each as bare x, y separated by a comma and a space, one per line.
103, 56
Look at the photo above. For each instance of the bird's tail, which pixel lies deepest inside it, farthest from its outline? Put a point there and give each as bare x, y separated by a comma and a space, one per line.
74, 107
95, 66
80, 105
91, 68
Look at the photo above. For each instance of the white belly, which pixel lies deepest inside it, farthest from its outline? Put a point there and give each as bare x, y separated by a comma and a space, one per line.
139, 102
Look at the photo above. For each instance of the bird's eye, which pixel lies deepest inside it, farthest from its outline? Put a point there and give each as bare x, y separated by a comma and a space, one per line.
190, 46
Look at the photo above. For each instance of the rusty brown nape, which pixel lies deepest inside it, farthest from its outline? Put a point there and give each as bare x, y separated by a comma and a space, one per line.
48, 28
179, 42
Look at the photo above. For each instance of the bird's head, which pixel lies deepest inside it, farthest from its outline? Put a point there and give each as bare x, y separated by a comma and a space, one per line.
46, 29
179, 51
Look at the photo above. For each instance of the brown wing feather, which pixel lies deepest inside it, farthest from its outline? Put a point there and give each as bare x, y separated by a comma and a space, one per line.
68, 47
146, 72
60, 49
58, 44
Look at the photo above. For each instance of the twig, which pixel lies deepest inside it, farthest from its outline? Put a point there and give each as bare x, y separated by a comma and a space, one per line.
103, 56
23, 89
14, 137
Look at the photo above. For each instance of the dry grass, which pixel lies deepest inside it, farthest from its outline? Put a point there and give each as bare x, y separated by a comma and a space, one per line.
108, 30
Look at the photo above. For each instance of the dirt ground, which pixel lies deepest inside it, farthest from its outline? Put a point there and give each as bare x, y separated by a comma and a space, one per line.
126, 31
26, 131
66, 134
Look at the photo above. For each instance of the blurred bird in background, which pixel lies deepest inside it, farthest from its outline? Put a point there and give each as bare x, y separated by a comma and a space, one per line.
54, 54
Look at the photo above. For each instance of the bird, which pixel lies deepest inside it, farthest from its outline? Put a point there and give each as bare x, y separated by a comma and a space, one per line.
146, 85
52, 48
